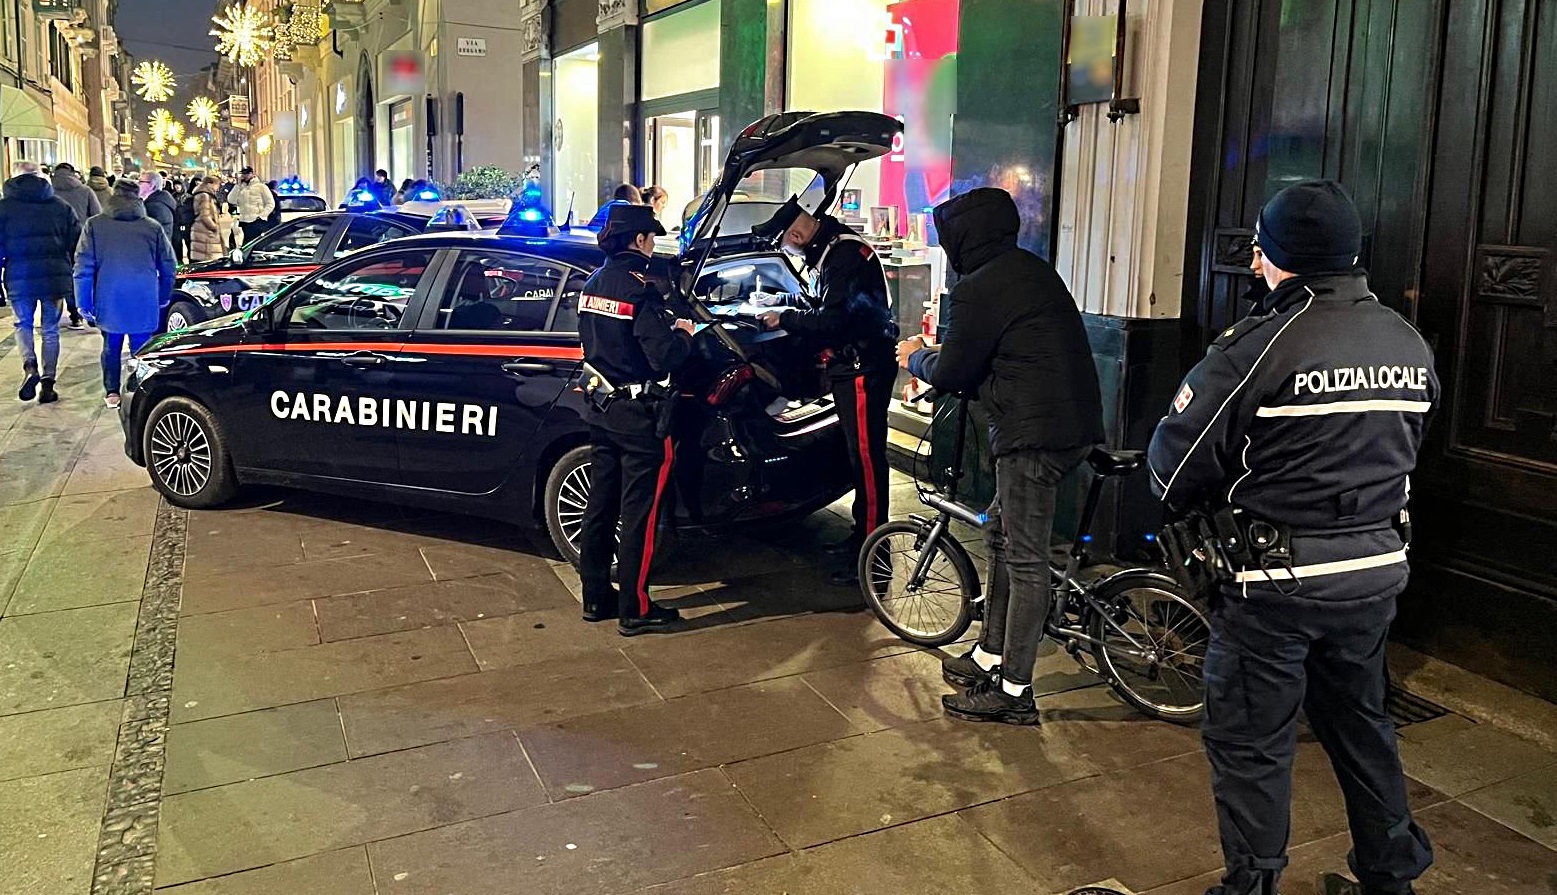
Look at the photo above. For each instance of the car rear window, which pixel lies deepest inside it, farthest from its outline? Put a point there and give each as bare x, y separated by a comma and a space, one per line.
302, 203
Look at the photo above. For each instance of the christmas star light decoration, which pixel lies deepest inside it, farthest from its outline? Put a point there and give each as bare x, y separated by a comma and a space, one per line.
203, 112
193, 144
172, 133
244, 34
153, 81
158, 122
155, 146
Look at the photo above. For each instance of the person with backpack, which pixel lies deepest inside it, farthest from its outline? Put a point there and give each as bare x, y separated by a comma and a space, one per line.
123, 278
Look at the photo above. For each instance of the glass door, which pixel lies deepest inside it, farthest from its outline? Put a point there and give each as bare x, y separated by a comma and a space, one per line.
683, 159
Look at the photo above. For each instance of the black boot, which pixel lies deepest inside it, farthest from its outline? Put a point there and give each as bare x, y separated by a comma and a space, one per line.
599, 607
29, 389
658, 618
46, 392
849, 546
1339, 884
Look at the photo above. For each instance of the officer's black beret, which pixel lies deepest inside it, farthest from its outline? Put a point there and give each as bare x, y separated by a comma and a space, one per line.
630, 219
781, 221
1311, 228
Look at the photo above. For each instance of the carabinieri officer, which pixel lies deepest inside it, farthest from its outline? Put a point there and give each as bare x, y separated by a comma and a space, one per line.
1300, 429
632, 343
853, 324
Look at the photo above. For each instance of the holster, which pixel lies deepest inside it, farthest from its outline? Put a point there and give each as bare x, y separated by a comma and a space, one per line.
664, 407
1193, 554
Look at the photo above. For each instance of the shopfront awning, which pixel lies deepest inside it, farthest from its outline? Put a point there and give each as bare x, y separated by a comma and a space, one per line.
23, 117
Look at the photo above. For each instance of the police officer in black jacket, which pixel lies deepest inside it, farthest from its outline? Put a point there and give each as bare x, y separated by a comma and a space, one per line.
1302, 424
632, 345
852, 323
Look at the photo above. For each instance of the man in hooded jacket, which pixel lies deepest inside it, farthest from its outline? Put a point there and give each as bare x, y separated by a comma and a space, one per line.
123, 278
38, 233
853, 326
1017, 339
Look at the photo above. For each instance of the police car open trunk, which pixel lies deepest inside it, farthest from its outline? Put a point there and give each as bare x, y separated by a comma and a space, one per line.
801, 154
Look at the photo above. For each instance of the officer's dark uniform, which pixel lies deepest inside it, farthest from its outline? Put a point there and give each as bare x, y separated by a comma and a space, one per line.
852, 321
629, 338
1307, 414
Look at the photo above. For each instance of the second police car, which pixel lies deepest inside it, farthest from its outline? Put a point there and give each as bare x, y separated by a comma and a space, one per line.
299, 245
443, 370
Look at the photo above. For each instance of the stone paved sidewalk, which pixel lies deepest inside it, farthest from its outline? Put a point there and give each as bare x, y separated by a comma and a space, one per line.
372, 700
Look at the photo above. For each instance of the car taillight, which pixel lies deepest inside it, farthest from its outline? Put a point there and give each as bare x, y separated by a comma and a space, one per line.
729, 384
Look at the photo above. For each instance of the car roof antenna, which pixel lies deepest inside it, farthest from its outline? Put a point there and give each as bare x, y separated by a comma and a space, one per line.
567, 222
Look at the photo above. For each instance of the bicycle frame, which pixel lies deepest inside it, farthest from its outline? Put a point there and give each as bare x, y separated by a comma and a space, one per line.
947, 505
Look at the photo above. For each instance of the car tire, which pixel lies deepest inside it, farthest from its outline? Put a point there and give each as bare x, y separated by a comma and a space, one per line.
185, 312
567, 494
186, 455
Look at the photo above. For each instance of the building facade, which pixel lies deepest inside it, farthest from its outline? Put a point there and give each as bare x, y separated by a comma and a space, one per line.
62, 84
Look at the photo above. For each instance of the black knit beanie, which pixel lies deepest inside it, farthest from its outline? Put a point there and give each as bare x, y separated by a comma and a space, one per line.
1311, 228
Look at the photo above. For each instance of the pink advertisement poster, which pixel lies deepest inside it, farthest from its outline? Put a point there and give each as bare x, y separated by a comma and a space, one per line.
921, 90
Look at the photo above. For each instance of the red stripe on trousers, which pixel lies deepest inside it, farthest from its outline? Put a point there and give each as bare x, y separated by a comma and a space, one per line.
648, 535
862, 419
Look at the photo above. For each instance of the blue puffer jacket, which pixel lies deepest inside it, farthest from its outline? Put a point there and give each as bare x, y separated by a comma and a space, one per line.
124, 268
37, 234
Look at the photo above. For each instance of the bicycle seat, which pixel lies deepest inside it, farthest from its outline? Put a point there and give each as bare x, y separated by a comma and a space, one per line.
1106, 462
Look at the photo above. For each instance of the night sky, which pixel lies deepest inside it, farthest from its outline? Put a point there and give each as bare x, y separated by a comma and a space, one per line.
175, 31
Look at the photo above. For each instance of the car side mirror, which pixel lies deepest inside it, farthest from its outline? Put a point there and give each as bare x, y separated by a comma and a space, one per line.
236, 256
258, 323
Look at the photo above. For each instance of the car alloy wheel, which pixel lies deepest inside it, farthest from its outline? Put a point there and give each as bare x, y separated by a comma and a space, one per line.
176, 321
572, 502
180, 452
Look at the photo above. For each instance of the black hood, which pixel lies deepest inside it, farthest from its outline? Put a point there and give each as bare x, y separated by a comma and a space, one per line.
29, 188
977, 227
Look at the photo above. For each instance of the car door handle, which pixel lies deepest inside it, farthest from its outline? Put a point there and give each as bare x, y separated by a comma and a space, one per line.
364, 360
529, 368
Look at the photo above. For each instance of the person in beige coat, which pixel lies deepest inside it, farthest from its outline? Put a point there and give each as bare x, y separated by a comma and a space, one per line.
210, 233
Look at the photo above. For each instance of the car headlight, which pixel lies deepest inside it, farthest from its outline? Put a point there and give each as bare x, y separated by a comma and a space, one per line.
197, 289
140, 369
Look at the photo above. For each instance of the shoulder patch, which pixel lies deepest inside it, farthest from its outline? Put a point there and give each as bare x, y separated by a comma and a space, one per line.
1185, 396
606, 307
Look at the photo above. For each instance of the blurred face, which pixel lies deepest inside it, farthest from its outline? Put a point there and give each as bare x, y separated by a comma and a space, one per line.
799, 234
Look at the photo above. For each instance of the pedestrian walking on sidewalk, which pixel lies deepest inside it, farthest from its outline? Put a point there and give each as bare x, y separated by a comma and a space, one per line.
1018, 341
1298, 433
100, 184
124, 277
38, 234
69, 186
160, 204
207, 232
254, 202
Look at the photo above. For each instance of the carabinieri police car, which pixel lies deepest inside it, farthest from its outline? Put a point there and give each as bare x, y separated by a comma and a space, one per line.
443, 370
251, 275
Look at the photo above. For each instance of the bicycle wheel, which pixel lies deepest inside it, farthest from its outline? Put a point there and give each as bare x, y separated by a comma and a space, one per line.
933, 614
1151, 645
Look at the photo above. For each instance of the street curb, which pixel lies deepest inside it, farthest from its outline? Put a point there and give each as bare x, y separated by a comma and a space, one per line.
127, 841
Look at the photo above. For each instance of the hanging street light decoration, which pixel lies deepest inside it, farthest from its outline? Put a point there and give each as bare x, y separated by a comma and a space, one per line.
193, 144
244, 35
158, 123
262, 145
173, 133
203, 112
153, 81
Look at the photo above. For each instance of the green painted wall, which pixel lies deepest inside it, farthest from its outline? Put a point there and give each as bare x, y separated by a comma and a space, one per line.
743, 55
1005, 133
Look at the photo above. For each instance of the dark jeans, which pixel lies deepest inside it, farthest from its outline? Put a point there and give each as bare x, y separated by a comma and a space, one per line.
1021, 522
628, 476
862, 401
113, 357
1269, 657
253, 229
28, 312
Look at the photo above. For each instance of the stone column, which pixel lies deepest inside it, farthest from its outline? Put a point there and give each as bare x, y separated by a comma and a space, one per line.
618, 24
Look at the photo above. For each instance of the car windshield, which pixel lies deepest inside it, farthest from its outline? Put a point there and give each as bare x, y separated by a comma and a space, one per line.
302, 203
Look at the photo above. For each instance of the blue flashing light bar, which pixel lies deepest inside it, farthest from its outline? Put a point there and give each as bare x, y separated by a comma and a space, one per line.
528, 218
362, 199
